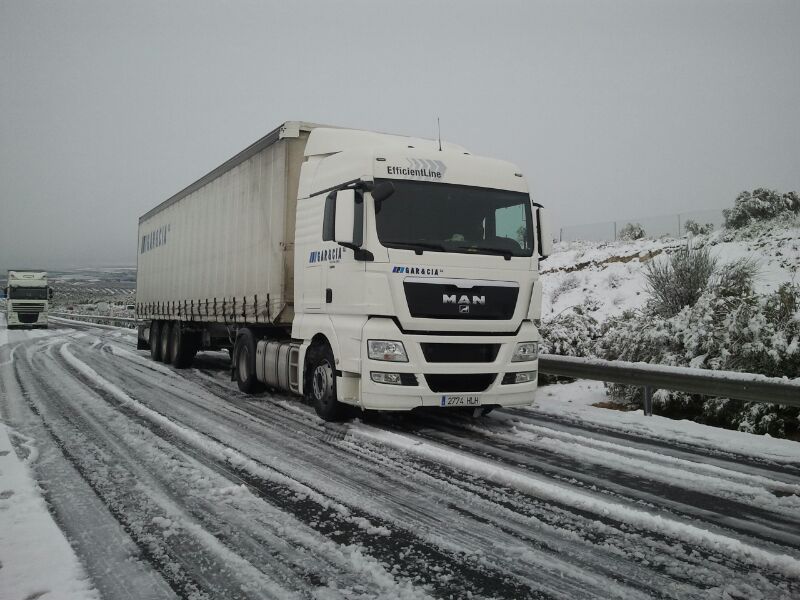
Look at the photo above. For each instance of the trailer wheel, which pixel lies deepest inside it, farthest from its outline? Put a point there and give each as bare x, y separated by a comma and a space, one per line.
155, 340
244, 363
166, 341
183, 346
320, 383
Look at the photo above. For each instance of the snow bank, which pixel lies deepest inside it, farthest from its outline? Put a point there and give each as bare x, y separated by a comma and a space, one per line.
36, 561
573, 402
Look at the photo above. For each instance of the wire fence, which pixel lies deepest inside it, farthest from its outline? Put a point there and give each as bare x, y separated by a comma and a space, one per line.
673, 225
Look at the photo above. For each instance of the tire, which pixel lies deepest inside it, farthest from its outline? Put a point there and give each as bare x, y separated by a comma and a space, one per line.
165, 341
183, 346
244, 362
320, 385
155, 340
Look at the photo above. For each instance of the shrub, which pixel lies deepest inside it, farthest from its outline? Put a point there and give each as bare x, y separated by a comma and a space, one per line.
760, 205
745, 332
570, 282
736, 278
631, 231
570, 333
696, 228
679, 281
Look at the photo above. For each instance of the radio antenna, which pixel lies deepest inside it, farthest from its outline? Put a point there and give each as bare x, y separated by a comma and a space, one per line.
439, 127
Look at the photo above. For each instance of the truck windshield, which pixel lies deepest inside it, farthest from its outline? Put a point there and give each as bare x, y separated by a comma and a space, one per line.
27, 293
455, 218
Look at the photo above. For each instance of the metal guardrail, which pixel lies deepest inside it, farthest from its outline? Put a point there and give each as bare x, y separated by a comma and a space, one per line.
725, 384
129, 322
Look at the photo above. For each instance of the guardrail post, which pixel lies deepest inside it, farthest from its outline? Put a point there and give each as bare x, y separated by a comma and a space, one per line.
647, 391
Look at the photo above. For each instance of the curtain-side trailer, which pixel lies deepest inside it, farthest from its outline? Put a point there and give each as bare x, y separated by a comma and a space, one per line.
352, 267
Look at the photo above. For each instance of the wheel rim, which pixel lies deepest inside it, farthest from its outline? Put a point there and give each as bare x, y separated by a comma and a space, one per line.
321, 382
243, 364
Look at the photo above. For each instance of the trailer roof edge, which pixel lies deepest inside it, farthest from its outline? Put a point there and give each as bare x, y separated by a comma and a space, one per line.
253, 149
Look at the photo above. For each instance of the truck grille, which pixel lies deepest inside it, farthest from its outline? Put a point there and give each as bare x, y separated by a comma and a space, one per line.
459, 353
475, 382
21, 309
447, 301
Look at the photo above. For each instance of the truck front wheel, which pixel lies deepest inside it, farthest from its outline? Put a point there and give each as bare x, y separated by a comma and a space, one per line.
244, 363
320, 383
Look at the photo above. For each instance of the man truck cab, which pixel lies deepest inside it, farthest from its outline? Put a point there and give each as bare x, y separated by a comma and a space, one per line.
351, 267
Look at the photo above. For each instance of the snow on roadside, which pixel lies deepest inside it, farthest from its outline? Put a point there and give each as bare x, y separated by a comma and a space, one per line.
574, 401
36, 560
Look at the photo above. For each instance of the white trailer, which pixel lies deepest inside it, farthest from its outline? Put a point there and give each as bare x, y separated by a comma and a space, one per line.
354, 268
27, 299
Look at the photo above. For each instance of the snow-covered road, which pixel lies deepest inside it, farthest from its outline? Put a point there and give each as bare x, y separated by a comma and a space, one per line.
173, 484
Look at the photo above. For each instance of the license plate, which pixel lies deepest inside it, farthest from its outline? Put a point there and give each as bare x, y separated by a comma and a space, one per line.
460, 400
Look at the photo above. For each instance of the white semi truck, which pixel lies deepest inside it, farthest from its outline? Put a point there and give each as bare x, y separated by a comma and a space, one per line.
27, 299
354, 268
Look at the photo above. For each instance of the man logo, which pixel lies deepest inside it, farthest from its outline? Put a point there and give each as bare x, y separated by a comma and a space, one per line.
463, 308
464, 299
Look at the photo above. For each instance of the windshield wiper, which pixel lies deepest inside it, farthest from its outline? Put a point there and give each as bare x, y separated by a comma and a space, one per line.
507, 254
418, 247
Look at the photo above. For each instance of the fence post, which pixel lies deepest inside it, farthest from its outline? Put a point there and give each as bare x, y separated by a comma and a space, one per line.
647, 391
615, 231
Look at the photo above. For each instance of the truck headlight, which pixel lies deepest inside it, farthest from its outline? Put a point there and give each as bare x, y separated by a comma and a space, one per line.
525, 351
386, 350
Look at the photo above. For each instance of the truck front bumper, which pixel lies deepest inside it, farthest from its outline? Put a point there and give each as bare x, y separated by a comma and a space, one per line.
430, 382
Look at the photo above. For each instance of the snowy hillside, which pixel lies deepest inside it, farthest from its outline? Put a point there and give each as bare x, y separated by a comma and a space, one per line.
607, 277
729, 300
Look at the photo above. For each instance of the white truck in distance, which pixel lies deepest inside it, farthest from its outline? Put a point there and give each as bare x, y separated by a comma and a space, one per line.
354, 268
27, 299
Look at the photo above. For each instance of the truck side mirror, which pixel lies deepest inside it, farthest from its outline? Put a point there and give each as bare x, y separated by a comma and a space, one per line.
343, 222
49, 293
544, 237
345, 219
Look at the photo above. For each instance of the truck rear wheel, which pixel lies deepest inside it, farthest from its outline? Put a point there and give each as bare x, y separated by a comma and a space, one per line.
155, 340
244, 362
165, 341
320, 385
183, 346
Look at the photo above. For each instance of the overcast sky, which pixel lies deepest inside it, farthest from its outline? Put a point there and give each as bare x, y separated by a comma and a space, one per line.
613, 109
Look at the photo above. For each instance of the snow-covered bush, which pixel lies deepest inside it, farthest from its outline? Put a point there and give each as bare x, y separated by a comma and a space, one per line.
570, 333
614, 280
570, 282
760, 205
679, 280
631, 231
745, 332
696, 228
